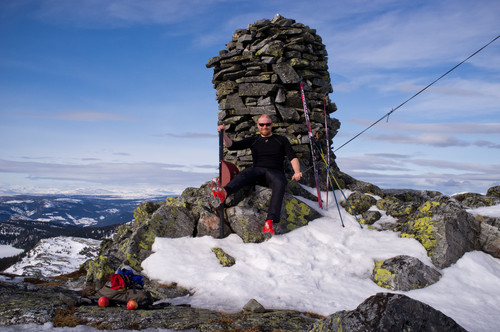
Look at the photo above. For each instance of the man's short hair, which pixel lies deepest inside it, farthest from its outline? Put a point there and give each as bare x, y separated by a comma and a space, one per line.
266, 116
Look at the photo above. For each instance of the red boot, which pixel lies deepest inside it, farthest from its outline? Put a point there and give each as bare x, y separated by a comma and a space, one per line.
268, 227
219, 192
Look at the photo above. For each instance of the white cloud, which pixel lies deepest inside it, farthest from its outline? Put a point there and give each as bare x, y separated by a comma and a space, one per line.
105, 174
420, 35
97, 13
457, 98
459, 166
431, 139
82, 116
446, 183
425, 174
434, 134
463, 128
188, 135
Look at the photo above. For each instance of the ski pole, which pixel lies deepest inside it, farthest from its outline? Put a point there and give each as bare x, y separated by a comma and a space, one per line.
221, 205
336, 182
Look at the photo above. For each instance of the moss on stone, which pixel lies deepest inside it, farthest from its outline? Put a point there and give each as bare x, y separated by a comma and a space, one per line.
275, 50
422, 228
395, 207
358, 203
382, 277
294, 141
297, 211
122, 230
99, 269
147, 238
427, 207
144, 245
296, 62
133, 262
247, 236
225, 259
144, 211
175, 201
424, 232
124, 246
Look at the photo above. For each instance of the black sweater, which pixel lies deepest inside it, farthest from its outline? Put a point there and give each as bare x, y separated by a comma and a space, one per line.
268, 152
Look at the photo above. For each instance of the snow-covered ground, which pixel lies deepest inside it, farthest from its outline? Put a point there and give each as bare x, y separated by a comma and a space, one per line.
9, 251
322, 268
56, 256
490, 211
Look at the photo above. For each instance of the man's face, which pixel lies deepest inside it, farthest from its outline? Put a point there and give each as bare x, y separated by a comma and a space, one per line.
265, 125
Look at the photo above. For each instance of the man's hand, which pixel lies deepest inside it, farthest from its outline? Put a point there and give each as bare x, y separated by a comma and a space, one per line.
296, 169
227, 141
297, 176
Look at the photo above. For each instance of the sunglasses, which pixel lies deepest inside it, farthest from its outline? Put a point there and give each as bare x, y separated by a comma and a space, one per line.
269, 124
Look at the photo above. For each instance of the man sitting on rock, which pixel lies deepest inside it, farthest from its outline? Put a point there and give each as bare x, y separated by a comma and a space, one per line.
268, 154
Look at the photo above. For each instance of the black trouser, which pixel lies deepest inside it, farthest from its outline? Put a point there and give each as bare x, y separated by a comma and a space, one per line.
275, 179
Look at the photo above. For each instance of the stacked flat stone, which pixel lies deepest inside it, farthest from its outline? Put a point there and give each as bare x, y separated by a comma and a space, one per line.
260, 73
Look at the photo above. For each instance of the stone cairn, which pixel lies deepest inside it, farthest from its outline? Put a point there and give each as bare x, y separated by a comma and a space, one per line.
260, 73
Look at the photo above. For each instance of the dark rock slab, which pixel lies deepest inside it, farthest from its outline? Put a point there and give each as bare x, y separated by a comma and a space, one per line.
388, 312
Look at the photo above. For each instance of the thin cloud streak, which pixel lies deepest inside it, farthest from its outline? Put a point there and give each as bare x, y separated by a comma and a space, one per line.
463, 128
188, 135
377, 44
437, 140
132, 174
81, 116
457, 177
433, 134
370, 162
120, 13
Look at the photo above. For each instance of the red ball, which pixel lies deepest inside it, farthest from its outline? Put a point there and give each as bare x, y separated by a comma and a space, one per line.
132, 305
103, 301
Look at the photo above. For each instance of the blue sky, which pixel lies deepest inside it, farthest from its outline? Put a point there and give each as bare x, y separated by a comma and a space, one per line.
114, 96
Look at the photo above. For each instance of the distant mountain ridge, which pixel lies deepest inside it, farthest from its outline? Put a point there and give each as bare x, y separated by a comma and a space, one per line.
26, 219
25, 234
76, 210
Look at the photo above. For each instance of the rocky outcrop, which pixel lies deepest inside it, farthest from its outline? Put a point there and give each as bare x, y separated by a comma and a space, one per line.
404, 273
493, 192
490, 240
388, 312
185, 318
438, 222
29, 303
43, 302
259, 73
195, 213
490, 226
48, 301
474, 200
359, 203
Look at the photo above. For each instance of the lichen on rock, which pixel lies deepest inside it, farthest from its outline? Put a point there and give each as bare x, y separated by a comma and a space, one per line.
404, 273
224, 258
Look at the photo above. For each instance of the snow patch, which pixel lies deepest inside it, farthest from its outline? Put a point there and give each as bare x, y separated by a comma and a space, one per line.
56, 256
321, 268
